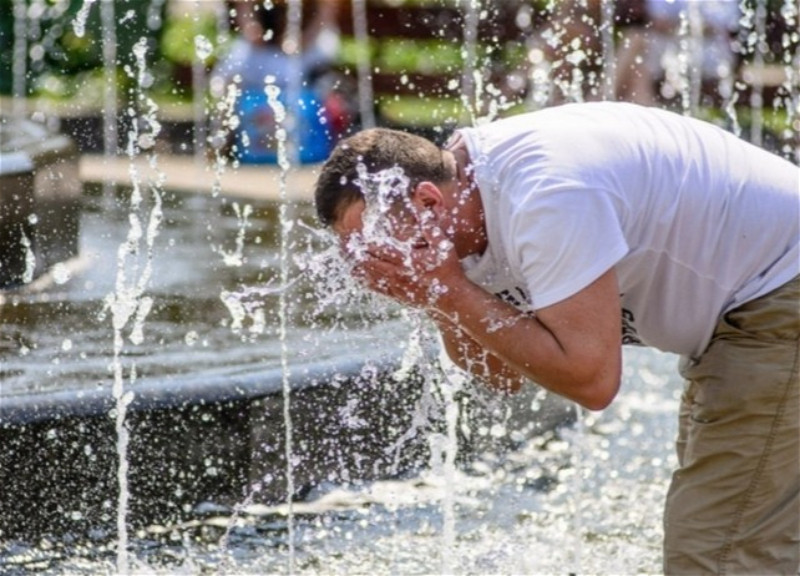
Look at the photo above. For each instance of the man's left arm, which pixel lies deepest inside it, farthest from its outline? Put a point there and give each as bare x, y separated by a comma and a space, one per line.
572, 347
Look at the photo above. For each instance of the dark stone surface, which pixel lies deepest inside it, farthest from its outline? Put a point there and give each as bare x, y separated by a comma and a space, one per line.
58, 470
59, 475
39, 205
16, 206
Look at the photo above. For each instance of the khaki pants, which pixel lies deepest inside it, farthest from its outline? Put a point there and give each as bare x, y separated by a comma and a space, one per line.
734, 503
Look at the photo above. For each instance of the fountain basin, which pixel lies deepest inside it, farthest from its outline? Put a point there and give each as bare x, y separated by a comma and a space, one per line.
220, 438
206, 416
40, 198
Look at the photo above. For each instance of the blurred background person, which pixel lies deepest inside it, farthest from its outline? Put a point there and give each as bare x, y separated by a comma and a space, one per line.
633, 80
262, 52
649, 53
262, 47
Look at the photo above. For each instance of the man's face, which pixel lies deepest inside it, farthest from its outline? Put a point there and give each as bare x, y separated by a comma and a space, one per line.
397, 228
349, 225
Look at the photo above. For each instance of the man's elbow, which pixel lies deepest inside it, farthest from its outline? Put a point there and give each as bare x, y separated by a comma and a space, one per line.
595, 388
595, 401
598, 392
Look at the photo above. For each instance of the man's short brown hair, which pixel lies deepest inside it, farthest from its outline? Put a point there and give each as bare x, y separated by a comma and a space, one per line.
377, 149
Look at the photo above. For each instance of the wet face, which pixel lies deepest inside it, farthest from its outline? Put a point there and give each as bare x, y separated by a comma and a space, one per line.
398, 227
349, 225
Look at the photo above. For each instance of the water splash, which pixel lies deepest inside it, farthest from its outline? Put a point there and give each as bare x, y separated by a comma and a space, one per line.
203, 47
79, 24
246, 306
225, 121
281, 117
202, 50
235, 258
20, 62
471, 78
452, 382
685, 63
752, 31
429, 408
365, 95
110, 105
791, 66
757, 86
382, 190
608, 49
578, 493
695, 47
324, 266
540, 91
30, 259
128, 304
733, 117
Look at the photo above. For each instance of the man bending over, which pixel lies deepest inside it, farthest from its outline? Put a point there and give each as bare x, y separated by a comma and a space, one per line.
541, 243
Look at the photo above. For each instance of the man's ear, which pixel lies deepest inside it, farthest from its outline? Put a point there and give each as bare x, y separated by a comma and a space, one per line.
427, 196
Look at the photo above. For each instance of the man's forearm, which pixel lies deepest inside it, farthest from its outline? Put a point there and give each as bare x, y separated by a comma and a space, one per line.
514, 342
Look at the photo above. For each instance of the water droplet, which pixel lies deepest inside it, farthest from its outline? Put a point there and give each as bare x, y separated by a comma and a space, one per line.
61, 274
146, 141
203, 47
127, 398
129, 15
79, 24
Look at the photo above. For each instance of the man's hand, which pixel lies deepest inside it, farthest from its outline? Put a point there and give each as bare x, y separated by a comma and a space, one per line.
416, 276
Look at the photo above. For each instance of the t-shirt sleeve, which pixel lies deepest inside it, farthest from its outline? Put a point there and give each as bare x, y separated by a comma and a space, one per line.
565, 240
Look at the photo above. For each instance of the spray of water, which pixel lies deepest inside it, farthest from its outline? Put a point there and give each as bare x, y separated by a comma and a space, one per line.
696, 27
471, 78
685, 63
383, 191
757, 86
365, 95
452, 382
225, 121
608, 51
30, 259
79, 24
752, 30
203, 50
578, 458
235, 257
20, 63
273, 99
128, 304
791, 66
110, 107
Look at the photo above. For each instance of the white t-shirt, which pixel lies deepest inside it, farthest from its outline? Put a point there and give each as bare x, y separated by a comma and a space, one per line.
694, 220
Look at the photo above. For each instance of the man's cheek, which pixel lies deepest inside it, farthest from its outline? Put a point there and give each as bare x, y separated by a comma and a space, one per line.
354, 249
